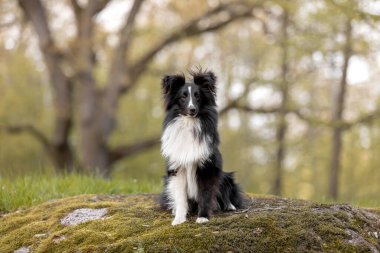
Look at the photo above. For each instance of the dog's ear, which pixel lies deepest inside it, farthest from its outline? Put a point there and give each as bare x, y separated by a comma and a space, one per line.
171, 82
205, 79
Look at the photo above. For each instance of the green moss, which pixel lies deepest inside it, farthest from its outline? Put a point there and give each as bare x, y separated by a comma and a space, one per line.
135, 224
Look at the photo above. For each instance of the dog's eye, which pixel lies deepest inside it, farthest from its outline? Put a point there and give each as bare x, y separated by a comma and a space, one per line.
184, 95
196, 95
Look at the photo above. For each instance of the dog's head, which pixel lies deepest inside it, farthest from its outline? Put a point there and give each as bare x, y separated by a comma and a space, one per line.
189, 97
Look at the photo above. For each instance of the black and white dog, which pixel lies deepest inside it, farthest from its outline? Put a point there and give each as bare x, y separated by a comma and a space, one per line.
190, 140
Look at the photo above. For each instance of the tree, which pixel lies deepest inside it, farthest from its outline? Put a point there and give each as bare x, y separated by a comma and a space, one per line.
283, 109
337, 114
98, 105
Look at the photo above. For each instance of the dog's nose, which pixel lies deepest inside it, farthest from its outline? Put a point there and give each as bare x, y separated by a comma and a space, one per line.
192, 110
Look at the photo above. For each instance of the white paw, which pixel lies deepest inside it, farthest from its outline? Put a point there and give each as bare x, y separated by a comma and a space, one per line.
178, 221
231, 207
201, 220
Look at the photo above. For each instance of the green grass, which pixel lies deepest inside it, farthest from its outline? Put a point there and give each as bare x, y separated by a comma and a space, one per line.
28, 190
21, 192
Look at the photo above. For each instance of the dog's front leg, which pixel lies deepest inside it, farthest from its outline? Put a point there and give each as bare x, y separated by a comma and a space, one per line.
178, 196
207, 183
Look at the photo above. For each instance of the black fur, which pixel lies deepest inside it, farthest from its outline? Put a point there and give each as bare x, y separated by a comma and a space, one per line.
216, 189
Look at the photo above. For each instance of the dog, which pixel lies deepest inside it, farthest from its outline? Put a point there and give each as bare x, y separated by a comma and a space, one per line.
194, 178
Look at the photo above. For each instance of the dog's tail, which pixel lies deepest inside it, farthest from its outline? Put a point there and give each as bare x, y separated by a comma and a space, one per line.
230, 195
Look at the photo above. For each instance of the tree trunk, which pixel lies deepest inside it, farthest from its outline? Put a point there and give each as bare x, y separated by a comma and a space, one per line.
282, 125
95, 151
58, 147
337, 116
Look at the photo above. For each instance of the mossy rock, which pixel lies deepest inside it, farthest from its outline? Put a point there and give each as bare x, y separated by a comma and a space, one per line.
134, 223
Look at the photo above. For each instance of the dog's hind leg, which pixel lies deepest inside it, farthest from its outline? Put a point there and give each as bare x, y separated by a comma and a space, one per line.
231, 207
177, 193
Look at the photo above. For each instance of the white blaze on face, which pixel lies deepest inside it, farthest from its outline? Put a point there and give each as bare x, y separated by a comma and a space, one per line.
191, 105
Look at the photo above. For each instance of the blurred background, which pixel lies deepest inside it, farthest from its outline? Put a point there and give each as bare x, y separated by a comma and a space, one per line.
298, 92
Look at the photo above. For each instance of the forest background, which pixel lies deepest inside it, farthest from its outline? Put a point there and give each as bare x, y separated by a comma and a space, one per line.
298, 94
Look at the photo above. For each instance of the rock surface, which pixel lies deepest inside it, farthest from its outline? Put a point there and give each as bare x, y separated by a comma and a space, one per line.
81, 215
22, 250
115, 223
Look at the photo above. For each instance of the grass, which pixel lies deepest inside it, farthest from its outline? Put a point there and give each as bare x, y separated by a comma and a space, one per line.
26, 191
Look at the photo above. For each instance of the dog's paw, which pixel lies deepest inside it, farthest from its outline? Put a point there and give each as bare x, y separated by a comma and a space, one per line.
178, 221
231, 207
201, 220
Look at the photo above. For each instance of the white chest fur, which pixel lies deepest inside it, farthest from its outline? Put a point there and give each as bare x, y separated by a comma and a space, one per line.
181, 145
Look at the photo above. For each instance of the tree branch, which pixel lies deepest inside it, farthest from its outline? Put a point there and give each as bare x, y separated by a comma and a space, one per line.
212, 20
353, 11
30, 129
344, 124
118, 76
77, 10
246, 108
364, 119
85, 26
128, 150
97, 6
35, 12
94, 7
234, 104
126, 31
